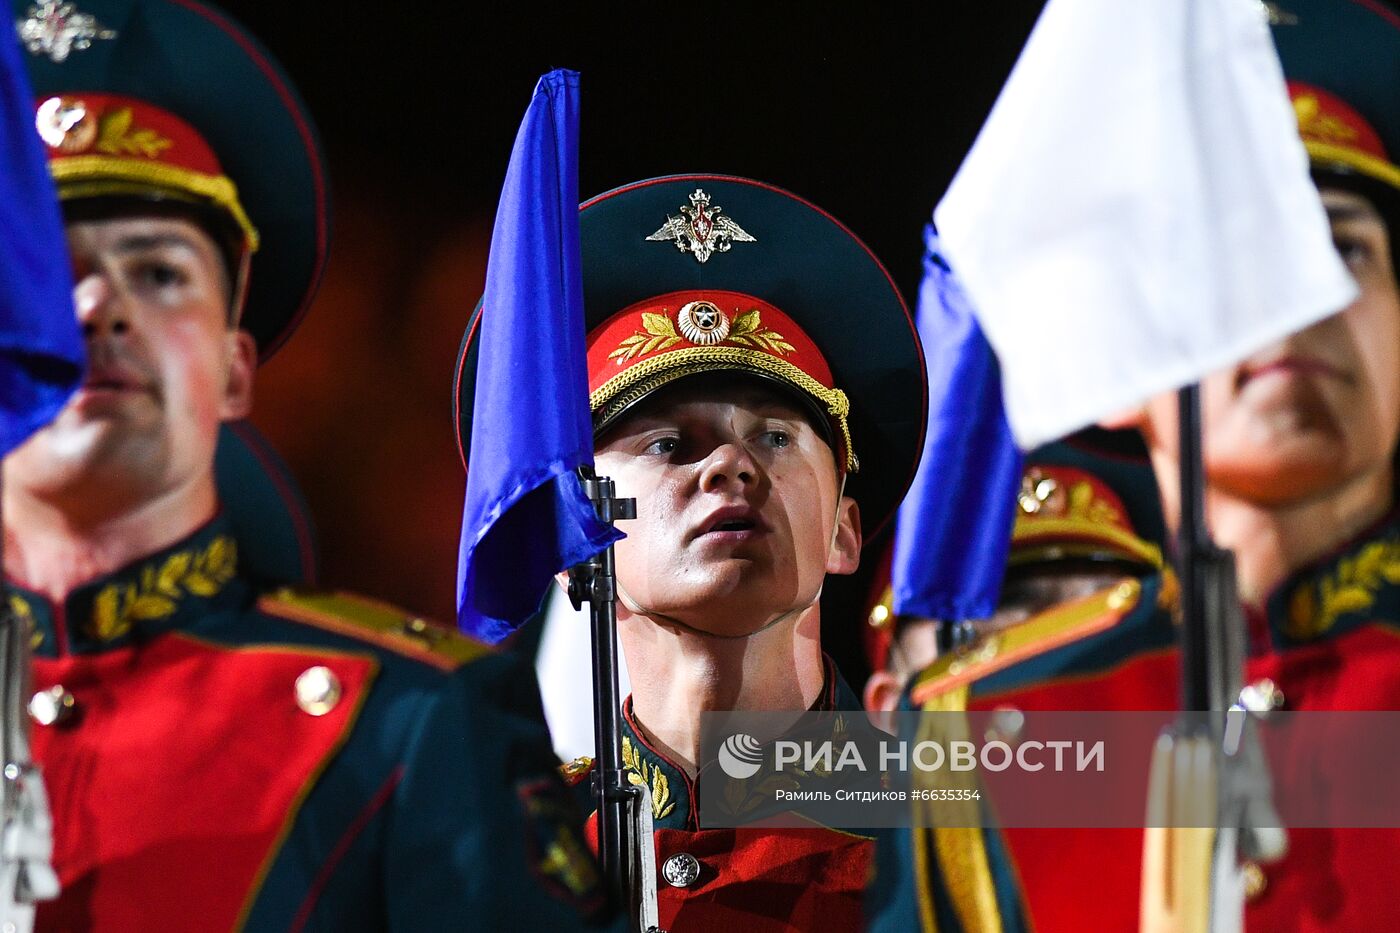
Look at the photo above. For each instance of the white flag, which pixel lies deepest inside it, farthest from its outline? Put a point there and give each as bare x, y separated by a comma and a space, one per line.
1137, 210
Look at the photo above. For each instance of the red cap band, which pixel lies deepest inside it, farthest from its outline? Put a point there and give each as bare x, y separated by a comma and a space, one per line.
660, 339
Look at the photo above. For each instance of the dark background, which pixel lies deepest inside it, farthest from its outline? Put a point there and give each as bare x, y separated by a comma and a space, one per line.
866, 113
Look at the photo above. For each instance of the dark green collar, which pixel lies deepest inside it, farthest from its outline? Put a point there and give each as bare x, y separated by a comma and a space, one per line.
1357, 584
168, 589
673, 801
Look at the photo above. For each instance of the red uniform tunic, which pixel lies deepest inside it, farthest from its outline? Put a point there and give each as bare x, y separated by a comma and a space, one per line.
218, 757
1328, 638
770, 879
763, 880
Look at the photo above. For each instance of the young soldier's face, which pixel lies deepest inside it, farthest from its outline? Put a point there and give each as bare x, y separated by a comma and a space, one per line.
738, 503
164, 365
1320, 409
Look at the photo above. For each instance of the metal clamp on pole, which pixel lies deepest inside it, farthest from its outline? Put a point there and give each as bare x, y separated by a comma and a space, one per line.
624, 848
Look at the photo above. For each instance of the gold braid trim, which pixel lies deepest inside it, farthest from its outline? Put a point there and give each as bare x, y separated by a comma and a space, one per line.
1378, 169
88, 176
622, 390
960, 850
923, 880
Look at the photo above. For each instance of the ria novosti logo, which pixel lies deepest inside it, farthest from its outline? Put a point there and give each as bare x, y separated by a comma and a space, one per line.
740, 756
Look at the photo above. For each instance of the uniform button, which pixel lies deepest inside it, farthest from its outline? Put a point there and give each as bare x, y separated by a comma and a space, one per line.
424, 630
53, 706
681, 870
318, 690
1255, 881
1262, 696
1006, 724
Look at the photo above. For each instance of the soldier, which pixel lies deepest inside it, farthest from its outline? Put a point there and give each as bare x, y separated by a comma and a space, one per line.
219, 755
1300, 443
1075, 540
1085, 558
755, 384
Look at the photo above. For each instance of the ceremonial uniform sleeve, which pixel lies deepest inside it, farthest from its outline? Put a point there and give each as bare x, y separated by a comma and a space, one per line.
482, 834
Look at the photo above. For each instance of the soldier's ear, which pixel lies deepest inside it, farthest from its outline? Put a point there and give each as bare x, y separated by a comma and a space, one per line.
242, 364
882, 690
844, 555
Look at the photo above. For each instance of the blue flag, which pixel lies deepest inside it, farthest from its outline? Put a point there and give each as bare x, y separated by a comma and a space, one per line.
41, 348
526, 517
953, 532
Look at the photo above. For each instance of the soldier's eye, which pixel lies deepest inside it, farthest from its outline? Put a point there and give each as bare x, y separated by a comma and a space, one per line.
158, 274
778, 438
663, 445
1354, 250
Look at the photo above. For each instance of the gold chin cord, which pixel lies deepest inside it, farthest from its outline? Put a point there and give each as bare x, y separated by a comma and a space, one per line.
637, 608
240, 287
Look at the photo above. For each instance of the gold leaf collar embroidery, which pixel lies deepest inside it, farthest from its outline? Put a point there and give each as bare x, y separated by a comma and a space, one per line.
24, 614
643, 773
1350, 587
157, 594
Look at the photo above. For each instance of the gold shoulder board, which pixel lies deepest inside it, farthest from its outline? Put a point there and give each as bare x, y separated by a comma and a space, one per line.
576, 771
1057, 626
377, 623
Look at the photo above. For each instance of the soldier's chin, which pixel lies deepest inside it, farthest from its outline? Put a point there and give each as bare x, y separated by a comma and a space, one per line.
99, 447
1292, 472
726, 612
746, 612
726, 625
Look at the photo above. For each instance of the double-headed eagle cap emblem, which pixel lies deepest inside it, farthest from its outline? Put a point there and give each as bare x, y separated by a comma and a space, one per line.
57, 28
703, 230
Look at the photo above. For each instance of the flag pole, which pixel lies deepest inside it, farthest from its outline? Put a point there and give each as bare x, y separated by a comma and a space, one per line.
26, 875
1235, 798
624, 849
1206, 646
531, 318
